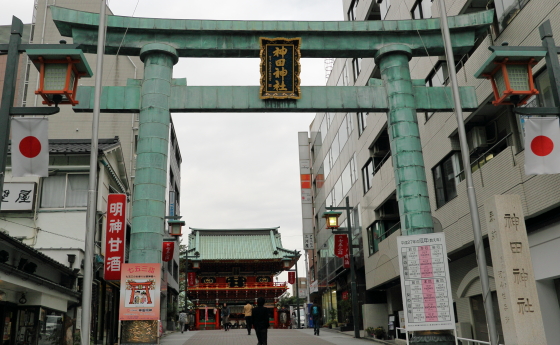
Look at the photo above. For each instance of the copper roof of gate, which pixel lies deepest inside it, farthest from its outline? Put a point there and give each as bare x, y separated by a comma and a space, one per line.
238, 244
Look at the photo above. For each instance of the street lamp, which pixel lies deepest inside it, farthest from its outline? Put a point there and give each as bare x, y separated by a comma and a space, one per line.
511, 74
518, 92
175, 227
332, 223
59, 72
332, 219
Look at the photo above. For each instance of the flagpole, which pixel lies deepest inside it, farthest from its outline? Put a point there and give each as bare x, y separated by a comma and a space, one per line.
92, 190
471, 194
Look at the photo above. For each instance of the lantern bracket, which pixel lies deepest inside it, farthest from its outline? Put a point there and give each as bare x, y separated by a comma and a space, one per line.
41, 111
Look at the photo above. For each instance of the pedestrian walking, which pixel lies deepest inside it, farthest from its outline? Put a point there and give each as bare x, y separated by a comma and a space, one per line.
317, 315
260, 321
182, 320
225, 316
248, 311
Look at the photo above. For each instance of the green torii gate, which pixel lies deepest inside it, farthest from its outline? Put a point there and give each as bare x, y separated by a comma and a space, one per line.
161, 42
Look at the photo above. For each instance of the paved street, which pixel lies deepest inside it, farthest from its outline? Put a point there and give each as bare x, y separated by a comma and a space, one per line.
275, 337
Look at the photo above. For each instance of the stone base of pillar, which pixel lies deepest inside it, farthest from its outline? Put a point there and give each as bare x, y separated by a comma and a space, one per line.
139, 332
433, 337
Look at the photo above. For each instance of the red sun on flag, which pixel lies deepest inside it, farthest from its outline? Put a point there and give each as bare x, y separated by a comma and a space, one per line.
30, 147
542, 145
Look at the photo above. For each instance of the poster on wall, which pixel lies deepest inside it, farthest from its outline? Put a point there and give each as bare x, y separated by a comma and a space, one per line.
426, 289
140, 292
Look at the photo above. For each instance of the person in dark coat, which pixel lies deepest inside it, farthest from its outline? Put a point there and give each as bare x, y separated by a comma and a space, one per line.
260, 321
225, 316
317, 315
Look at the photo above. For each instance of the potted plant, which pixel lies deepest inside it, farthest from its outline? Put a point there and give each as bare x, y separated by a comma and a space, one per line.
369, 331
379, 332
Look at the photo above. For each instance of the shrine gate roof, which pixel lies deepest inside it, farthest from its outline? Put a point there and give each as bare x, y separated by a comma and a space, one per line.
237, 244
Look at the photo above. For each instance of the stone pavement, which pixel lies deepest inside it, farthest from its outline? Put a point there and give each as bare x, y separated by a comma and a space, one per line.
275, 337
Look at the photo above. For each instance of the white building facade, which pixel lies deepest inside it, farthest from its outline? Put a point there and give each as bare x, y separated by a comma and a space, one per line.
351, 157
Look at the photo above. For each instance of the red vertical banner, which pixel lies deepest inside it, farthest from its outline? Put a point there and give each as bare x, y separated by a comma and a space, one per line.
340, 245
167, 251
291, 277
346, 263
191, 278
115, 236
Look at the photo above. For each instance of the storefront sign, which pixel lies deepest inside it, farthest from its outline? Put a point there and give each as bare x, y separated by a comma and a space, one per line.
314, 287
346, 262
140, 292
340, 245
167, 251
426, 289
115, 236
18, 196
345, 295
291, 277
280, 68
308, 241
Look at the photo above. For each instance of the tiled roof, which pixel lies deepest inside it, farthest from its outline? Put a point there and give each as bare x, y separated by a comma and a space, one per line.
237, 244
78, 145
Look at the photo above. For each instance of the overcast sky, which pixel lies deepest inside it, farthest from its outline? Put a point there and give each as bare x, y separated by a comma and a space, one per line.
238, 170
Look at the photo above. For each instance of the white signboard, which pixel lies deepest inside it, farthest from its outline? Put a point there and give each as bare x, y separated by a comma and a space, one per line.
302, 292
308, 241
314, 287
18, 196
426, 290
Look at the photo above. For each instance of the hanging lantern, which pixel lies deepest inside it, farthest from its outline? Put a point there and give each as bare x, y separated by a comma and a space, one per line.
332, 219
59, 72
511, 74
175, 227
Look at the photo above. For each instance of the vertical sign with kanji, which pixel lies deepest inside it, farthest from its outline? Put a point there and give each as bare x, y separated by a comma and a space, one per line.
340, 245
167, 251
291, 277
115, 236
518, 300
140, 292
280, 67
191, 278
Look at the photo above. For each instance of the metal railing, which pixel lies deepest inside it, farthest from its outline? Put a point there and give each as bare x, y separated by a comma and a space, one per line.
402, 330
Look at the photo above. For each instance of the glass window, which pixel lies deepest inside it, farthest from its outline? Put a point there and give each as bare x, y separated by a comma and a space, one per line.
362, 122
327, 164
323, 129
367, 175
66, 190
343, 133
335, 150
507, 10
356, 67
346, 180
445, 179
384, 7
421, 9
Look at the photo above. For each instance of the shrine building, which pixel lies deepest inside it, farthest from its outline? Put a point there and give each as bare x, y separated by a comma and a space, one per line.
234, 266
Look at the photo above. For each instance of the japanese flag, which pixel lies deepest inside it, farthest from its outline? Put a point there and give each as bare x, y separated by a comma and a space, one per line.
542, 146
30, 147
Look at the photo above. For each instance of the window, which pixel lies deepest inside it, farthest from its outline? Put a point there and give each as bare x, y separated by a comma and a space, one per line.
64, 191
438, 76
352, 10
422, 9
446, 176
362, 122
384, 7
507, 10
379, 231
356, 67
367, 175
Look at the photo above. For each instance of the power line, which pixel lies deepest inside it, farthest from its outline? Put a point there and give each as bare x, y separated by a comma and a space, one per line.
39, 229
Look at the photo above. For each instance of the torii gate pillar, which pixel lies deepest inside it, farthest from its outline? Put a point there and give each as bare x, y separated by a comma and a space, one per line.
148, 205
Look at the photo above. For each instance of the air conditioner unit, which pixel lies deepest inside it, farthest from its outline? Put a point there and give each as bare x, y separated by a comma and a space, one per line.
476, 138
